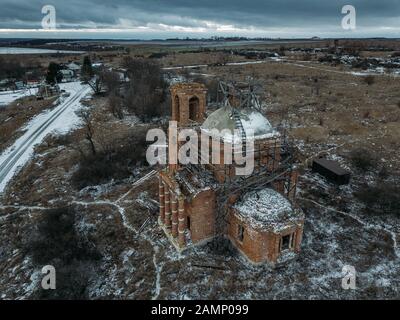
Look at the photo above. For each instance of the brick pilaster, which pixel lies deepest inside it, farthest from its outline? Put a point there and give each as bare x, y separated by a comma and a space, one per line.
181, 222
167, 207
174, 209
162, 201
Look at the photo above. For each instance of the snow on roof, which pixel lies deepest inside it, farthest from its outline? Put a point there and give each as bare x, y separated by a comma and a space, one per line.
73, 66
193, 184
267, 209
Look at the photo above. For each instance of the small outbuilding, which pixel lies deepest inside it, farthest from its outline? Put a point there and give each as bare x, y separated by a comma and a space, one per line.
331, 170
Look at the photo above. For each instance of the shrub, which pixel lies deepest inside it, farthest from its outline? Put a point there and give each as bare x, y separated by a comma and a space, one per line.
369, 80
383, 197
57, 243
115, 162
158, 55
56, 238
362, 159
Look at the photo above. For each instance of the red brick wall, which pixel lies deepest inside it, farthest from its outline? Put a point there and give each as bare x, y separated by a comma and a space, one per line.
255, 245
259, 246
181, 94
202, 216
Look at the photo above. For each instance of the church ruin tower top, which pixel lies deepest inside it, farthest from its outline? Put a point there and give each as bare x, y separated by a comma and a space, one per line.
188, 103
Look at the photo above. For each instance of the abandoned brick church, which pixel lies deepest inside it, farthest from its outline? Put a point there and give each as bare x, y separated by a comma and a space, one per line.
257, 213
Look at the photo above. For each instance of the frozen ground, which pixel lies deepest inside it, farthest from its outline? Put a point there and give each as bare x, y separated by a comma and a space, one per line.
6, 97
138, 262
60, 119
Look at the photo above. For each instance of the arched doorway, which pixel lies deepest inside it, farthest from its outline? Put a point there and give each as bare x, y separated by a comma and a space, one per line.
194, 104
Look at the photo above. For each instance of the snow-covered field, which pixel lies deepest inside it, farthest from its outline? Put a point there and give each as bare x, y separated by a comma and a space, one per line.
59, 120
196, 66
7, 50
7, 97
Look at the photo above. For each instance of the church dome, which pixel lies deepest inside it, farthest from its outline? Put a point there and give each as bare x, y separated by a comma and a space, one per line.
249, 120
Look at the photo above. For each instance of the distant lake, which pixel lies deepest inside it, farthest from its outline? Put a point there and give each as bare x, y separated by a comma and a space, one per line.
10, 50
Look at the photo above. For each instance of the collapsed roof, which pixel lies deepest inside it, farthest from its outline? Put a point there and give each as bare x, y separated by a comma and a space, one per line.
268, 209
227, 124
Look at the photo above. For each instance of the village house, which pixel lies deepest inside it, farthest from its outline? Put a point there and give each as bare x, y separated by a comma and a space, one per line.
75, 68
19, 85
198, 203
67, 75
32, 83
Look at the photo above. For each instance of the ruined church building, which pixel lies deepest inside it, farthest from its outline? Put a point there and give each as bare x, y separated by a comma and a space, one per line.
257, 213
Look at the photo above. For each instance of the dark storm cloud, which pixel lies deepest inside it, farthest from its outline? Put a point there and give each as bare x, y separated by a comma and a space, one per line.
257, 14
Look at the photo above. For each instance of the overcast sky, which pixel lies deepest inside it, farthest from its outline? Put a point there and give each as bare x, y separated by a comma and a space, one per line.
149, 19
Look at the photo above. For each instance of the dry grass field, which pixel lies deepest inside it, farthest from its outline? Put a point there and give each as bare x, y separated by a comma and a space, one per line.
340, 108
16, 115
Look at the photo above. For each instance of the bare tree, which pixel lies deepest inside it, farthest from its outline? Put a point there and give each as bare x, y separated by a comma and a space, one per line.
89, 128
315, 86
116, 104
223, 58
145, 94
104, 79
111, 81
97, 84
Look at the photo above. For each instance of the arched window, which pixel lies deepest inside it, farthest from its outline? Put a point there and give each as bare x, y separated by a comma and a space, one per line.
194, 104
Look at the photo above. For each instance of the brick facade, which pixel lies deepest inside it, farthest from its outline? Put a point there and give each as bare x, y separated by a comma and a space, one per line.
261, 246
188, 103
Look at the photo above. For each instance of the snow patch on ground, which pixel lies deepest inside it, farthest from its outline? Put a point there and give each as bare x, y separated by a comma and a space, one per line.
7, 97
60, 120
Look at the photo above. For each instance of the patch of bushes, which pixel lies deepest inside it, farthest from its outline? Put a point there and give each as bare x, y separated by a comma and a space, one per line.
158, 55
146, 93
362, 160
116, 161
56, 242
383, 197
369, 80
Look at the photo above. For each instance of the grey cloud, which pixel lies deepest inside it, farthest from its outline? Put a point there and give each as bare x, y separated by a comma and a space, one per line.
305, 14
